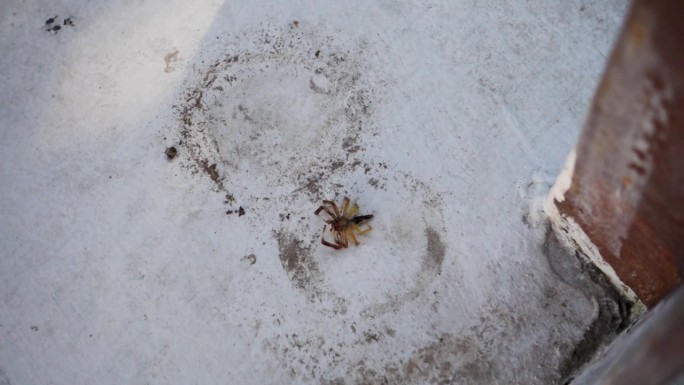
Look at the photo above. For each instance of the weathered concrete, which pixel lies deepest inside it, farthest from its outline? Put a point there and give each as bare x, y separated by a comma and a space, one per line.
649, 353
123, 262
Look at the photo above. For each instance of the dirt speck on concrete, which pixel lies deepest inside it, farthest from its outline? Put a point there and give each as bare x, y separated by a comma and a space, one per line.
171, 153
169, 59
250, 258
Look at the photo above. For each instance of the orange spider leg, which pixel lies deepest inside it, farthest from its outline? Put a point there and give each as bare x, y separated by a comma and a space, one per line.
351, 233
361, 231
353, 211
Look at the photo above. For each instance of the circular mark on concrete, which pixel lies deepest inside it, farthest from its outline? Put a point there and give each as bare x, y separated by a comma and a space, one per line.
269, 112
417, 250
281, 118
394, 265
303, 271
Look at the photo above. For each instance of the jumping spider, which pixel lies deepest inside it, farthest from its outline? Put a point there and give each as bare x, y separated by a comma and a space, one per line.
343, 223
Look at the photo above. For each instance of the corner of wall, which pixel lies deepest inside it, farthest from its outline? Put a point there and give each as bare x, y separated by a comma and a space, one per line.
570, 233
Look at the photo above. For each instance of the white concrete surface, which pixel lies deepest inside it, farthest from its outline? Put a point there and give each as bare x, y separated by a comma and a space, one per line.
446, 120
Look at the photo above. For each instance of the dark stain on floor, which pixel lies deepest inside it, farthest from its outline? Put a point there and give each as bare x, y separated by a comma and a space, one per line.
301, 267
299, 264
210, 169
575, 269
435, 251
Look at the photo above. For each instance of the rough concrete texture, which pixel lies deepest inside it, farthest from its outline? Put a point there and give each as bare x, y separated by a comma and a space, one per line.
161, 162
648, 352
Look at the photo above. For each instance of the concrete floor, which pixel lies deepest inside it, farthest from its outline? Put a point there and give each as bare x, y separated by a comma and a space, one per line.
446, 120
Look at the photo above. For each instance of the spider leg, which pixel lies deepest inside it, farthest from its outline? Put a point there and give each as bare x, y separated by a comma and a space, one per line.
341, 239
353, 211
356, 241
326, 243
345, 206
330, 213
327, 211
334, 206
334, 246
361, 231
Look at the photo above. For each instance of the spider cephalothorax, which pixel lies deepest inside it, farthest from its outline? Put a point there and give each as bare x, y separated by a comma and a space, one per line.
343, 223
